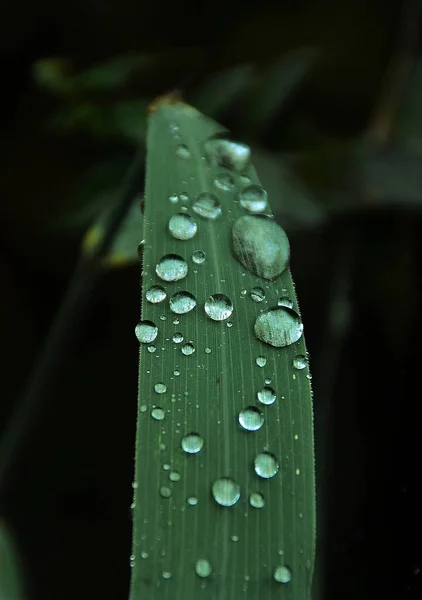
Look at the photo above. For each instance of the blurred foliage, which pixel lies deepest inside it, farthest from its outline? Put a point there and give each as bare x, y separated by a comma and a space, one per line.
11, 582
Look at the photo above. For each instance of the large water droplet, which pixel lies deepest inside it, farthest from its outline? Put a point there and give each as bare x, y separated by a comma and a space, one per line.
158, 413
192, 443
218, 307
300, 361
146, 332
254, 198
182, 226
224, 182
279, 326
188, 349
266, 465
182, 302
207, 206
160, 388
171, 267
261, 245
257, 294
226, 491
155, 294
223, 151
257, 500
282, 574
182, 151
267, 395
198, 257
203, 567
251, 418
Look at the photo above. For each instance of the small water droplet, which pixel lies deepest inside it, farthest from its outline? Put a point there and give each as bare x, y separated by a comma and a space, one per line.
188, 349
165, 492
279, 326
182, 302
282, 574
158, 414
300, 361
171, 267
163, 317
166, 575
254, 198
182, 226
224, 182
218, 307
223, 151
182, 151
257, 500
257, 294
203, 567
251, 418
160, 388
174, 198
144, 554
234, 538
177, 337
207, 350
146, 332
229, 324
243, 292
192, 443
176, 321
225, 491
268, 381
151, 349
266, 465
198, 257
261, 361
176, 372
267, 395
192, 500
174, 476
155, 294
207, 206
285, 301
143, 408
260, 245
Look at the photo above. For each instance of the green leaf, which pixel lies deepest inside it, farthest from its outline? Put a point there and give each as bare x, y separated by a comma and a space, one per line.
11, 586
224, 490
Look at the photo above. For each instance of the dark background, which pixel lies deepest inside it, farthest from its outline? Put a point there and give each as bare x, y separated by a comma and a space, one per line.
351, 131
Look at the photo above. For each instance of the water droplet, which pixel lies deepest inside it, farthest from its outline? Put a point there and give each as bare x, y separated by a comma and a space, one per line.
243, 292
300, 361
160, 388
146, 332
155, 294
244, 179
182, 302
223, 151
171, 267
182, 226
177, 337
188, 349
207, 206
176, 321
198, 257
257, 500
166, 575
235, 538
282, 574
224, 182
174, 476
261, 361
266, 465
192, 500
174, 198
207, 350
251, 418
229, 324
144, 554
285, 301
254, 198
267, 395
182, 151
257, 294
163, 317
143, 408
158, 414
176, 372
261, 245
192, 443
279, 326
165, 492
203, 567
226, 492
268, 381
151, 349
218, 307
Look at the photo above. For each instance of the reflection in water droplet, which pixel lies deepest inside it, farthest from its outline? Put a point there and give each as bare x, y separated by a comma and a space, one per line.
266, 465
207, 206
160, 388
257, 500
226, 491
279, 327
182, 302
198, 257
260, 245
261, 361
267, 396
251, 418
192, 500
188, 349
192, 443
182, 226
171, 267
218, 307
257, 294
146, 332
300, 361
155, 294
285, 301
177, 337
222, 151
158, 414
165, 492
203, 567
282, 574
182, 151
224, 181
254, 198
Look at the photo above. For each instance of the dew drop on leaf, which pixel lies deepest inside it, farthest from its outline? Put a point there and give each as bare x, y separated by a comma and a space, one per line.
266, 465
146, 332
177, 337
257, 500
251, 418
285, 301
192, 500
225, 491
155, 294
282, 574
192, 443
182, 151
253, 198
207, 206
198, 257
223, 151
261, 361
278, 326
160, 388
267, 395
300, 361
182, 303
218, 307
171, 267
182, 226
158, 414
257, 294
188, 349
174, 476
165, 492
224, 182
203, 567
